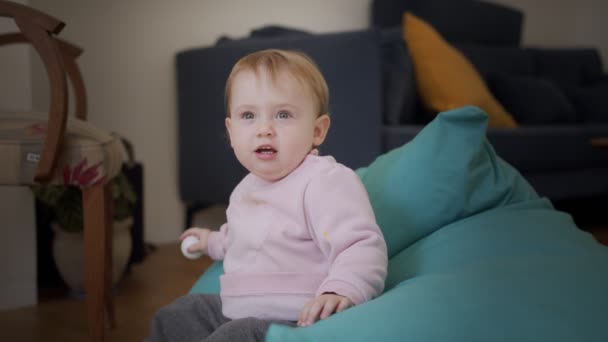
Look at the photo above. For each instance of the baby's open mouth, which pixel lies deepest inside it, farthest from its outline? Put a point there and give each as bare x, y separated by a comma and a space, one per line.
266, 150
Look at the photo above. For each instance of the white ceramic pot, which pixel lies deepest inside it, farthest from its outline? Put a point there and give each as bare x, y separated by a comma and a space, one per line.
68, 251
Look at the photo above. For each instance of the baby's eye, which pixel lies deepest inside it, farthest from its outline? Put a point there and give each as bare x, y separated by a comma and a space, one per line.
247, 115
283, 115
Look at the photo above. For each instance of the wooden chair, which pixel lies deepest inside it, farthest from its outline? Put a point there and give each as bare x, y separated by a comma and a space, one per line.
50, 141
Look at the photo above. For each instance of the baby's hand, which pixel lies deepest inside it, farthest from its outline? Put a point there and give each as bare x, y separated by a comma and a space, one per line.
322, 307
202, 234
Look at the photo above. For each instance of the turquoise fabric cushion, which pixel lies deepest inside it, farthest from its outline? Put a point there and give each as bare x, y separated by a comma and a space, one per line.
449, 171
210, 281
521, 272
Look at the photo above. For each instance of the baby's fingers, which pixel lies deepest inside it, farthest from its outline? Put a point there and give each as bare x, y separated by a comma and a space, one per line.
190, 231
329, 307
304, 314
195, 248
344, 304
315, 311
311, 313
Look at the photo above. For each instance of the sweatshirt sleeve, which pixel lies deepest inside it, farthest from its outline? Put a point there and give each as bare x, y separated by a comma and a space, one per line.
343, 224
217, 242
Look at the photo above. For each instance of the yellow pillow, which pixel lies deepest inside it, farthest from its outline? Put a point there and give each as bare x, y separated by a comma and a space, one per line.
446, 79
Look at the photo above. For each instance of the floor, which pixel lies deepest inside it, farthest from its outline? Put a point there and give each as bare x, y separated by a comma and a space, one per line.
163, 276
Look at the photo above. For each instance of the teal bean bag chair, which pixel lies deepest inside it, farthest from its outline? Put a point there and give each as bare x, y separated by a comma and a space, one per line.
474, 253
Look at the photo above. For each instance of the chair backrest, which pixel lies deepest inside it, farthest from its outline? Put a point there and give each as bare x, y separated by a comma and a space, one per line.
58, 57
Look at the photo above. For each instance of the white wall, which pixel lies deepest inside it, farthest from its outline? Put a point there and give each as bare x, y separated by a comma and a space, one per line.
130, 46
17, 217
128, 66
564, 23
15, 85
17, 248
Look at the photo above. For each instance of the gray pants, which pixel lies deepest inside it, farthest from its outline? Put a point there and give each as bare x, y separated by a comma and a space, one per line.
198, 317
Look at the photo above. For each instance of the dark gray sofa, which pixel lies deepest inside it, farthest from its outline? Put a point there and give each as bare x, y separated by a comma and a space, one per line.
374, 102
558, 96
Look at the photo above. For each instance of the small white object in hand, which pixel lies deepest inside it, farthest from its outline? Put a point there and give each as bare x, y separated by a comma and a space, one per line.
187, 242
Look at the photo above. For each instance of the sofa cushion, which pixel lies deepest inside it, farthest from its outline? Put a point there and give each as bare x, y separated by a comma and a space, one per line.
448, 172
551, 148
591, 101
574, 187
441, 72
532, 100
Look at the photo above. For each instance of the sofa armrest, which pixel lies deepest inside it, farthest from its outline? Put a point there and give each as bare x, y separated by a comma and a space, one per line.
350, 62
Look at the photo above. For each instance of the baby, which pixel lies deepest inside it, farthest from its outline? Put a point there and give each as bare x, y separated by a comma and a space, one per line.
301, 242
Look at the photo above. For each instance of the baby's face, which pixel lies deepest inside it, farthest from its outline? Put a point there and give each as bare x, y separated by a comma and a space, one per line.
273, 124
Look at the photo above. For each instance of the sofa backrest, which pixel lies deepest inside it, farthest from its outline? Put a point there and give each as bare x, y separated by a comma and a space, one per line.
555, 75
489, 59
462, 21
568, 65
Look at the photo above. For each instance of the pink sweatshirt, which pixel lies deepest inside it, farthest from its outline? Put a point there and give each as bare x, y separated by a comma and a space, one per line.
289, 241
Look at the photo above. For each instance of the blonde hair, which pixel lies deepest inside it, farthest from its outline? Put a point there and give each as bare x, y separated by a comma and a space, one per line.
274, 61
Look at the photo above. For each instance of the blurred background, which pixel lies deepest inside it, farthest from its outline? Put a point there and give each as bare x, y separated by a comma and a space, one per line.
129, 71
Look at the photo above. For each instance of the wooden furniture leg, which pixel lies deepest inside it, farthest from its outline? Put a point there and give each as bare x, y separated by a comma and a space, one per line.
97, 210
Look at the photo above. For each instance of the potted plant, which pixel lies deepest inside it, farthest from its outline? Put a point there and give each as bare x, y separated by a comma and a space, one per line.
65, 207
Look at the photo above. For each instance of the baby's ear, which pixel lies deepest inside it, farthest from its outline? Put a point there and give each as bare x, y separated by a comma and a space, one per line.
322, 124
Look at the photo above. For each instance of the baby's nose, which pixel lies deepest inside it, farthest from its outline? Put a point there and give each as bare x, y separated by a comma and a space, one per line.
266, 129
